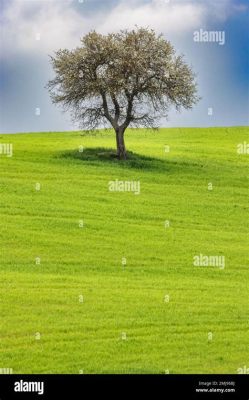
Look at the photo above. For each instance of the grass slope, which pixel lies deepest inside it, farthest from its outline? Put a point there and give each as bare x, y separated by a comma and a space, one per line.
161, 336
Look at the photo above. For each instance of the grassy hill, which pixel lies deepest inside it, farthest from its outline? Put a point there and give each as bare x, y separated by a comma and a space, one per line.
81, 309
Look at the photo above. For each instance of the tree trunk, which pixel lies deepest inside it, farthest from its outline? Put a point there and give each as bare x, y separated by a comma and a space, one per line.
121, 151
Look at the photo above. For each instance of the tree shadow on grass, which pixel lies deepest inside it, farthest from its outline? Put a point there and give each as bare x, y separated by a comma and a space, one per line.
101, 155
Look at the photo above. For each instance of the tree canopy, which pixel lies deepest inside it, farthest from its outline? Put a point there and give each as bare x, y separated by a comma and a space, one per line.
129, 78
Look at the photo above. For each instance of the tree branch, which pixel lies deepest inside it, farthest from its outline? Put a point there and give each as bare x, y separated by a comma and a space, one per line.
106, 110
117, 108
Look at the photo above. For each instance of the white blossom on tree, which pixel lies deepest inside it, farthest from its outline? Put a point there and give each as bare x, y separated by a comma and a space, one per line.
130, 78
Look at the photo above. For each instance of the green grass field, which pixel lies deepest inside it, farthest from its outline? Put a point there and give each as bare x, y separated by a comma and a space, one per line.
72, 312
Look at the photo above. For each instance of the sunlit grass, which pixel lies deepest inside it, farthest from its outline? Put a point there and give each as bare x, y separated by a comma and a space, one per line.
81, 299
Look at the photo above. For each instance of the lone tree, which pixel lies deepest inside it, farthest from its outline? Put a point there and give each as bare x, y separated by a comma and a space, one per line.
130, 78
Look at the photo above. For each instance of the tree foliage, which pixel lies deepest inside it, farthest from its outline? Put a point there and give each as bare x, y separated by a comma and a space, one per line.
130, 78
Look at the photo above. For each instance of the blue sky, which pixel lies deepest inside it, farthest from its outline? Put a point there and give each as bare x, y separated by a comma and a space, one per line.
33, 29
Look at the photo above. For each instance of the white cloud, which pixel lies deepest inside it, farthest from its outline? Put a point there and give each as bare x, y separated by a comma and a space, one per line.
61, 24
57, 23
160, 15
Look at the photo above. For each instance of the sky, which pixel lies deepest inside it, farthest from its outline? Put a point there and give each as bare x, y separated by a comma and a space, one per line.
31, 30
